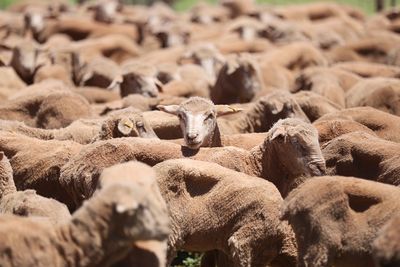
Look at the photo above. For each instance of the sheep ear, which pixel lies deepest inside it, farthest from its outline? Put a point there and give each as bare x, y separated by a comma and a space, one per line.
232, 67
171, 109
276, 107
158, 84
125, 126
117, 81
226, 109
279, 133
126, 209
86, 77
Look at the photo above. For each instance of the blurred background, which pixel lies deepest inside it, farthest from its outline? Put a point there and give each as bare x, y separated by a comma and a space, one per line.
368, 6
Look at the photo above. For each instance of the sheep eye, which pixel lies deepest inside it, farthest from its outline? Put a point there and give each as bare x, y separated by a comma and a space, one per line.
209, 117
180, 116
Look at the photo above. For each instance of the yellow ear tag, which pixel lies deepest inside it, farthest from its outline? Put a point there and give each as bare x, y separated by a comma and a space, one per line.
128, 124
235, 109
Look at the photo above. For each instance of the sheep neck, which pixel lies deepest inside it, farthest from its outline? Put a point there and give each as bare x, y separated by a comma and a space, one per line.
215, 138
90, 235
270, 168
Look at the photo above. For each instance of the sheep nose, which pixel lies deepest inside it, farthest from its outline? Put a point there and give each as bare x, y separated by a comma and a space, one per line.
192, 136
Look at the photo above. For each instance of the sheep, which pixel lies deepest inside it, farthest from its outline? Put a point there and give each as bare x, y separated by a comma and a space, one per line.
25, 60
290, 150
79, 28
96, 95
336, 219
383, 124
207, 56
369, 69
362, 155
238, 81
380, 93
367, 49
49, 109
128, 208
136, 78
321, 82
386, 247
295, 56
330, 129
314, 11
27, 203
99, 72
195, 193
114, 46
315, 105
125, 122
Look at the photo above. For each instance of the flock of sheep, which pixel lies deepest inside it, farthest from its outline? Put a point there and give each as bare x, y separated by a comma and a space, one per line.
257, 135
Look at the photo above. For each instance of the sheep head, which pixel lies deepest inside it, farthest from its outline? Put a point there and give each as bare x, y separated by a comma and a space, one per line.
105, 11
207, 56
125, 123
238, 81
296, 147
138, 79
26, 60
198, 119
136, 200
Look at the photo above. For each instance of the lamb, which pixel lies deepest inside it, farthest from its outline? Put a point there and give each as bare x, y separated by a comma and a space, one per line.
27, 203
290, 150
128, 208
259, 117
386, 247
195, 193
122, 123
362, 155
47, 109
380, 93
384, 125
336, 225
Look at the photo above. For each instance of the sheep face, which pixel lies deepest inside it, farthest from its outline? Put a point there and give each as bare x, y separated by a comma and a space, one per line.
25, 61
299, 150
133, 83
198, 119
144, 217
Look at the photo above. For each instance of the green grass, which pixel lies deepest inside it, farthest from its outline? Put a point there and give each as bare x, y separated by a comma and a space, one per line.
367, 5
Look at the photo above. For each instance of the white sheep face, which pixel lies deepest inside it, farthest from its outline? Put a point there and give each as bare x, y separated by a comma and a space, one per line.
198, 119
